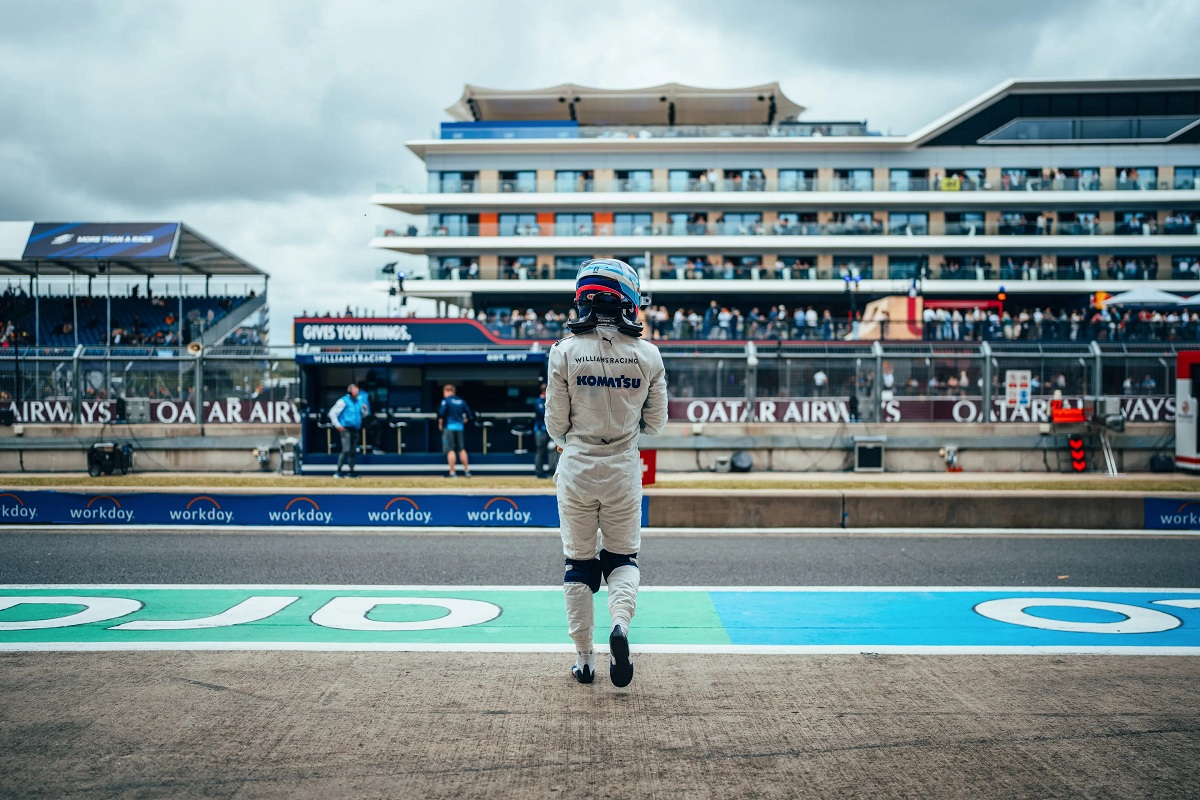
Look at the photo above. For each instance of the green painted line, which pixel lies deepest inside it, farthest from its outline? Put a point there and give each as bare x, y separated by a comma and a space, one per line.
532, 617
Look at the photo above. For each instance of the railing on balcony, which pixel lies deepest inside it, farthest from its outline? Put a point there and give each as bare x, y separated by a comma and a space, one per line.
863, 228
935, 184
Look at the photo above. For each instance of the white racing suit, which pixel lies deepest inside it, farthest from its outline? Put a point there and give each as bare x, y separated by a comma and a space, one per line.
604, 389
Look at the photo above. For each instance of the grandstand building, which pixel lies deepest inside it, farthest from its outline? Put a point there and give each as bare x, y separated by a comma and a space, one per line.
1045, 191
150, 285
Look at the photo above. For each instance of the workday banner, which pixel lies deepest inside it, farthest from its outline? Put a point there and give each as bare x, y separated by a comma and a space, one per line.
192, 509
1165, 514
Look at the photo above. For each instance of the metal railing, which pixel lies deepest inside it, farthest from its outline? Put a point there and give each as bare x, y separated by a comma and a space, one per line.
877, 227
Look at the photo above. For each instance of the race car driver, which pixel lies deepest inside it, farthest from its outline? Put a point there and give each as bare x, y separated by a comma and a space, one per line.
606, 385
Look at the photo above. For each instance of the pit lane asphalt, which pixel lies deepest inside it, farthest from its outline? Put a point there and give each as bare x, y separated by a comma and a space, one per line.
704, 558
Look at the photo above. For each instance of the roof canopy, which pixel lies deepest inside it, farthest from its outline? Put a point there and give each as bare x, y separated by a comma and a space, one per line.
147, 249
668, 104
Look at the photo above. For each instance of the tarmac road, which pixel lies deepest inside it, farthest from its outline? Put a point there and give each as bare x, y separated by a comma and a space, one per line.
713, 559
452, 725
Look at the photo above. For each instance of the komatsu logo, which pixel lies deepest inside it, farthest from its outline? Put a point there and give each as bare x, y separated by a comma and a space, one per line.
17, 511
312, 513
609, 382
98, 509
201, 509
410, 513
501, 513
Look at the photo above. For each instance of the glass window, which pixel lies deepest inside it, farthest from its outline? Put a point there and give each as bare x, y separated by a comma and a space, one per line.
685, 180
518, 225
1181, 223
959, 179
451, 224
634, 180
792, 223
452, 182
523, 181
520, 267
632, 224
797, 180
855, 180
1137, 178
637, 262
573, 180
854, 223
1187, 177
908, 223
1016, 179
906, 267
744, 180
568, 266
964, 223
573, 224
852, 265
740, 223
908, 180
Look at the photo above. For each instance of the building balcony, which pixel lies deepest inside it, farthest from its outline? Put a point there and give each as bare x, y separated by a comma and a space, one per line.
809, 238
826, 200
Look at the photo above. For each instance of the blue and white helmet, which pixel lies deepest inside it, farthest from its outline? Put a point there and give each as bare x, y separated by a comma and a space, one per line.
599, 276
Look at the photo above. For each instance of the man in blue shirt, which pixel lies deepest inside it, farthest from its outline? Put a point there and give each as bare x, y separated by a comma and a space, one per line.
453, 414
347, 416
541, 439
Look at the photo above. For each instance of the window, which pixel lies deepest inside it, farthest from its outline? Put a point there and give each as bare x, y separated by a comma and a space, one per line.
638, 262
794, 223
1185, 267
523, 181
567, 267
1181, 223
689, 267
855, 180
453, 182
453, 224
573, 180
518, 225
1137, 178
1018, 223
909, 180
1018, 179
854, 223
632, 224
687, 223
744, 180
908, 223
740, 223
1187, 177
797, 180
964, 223
1134, 223
1078, 223
573, 224
852, 265
958, 179
520, 267
687, 180
634, 180
906, 267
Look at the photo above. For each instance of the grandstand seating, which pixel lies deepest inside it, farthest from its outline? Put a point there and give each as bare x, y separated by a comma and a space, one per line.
142, 319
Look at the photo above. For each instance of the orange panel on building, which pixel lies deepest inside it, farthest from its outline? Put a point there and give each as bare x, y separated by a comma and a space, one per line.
546, 222
489, 224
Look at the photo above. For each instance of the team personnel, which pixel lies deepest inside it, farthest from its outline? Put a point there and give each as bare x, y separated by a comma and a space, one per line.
347, 416
606, 385
453, 415
541, 439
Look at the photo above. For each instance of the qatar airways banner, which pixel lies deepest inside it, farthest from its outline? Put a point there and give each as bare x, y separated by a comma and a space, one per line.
902, 409
166, 412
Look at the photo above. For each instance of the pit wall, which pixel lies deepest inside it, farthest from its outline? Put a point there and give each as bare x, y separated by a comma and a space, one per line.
682, 447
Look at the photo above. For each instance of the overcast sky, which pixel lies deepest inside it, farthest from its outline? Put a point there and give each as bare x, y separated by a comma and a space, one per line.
266, 126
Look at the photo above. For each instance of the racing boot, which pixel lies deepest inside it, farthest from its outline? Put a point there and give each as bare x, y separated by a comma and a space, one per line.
620, 665
584, 668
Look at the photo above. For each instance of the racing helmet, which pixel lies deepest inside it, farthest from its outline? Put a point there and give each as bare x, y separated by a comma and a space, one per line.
607, 291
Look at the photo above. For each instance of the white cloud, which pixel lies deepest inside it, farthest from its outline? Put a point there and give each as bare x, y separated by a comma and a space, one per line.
266, 125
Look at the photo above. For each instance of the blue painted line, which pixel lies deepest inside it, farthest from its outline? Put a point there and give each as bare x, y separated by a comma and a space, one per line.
959, 618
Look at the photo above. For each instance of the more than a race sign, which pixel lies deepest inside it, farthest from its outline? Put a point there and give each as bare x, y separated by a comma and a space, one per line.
903, 409
192, 509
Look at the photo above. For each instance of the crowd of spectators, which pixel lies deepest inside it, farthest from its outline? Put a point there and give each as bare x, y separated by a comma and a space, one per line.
718, 322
